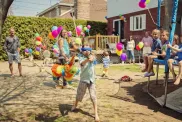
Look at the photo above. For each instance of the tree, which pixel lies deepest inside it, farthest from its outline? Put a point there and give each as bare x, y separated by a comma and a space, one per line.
4, 6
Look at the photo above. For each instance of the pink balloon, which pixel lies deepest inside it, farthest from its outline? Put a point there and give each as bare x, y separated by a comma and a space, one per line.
55, 51
78, 33
60, 28
55, 33
142, 4
119, 46
88, 26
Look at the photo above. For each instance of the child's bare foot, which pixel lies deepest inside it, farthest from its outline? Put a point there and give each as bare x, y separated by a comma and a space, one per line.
97, 118
59, 86
178, 78
73, 108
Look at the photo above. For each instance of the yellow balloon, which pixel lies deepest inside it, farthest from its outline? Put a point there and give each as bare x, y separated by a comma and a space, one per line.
119, 52
68, 78
141, 44
78, 41
147, 1
37, 53
38, 43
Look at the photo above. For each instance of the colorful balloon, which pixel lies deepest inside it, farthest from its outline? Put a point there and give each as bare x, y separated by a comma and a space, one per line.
30, 51
59, 69
37, 53
38, 43
137, 47
38, 38
147, 1
50, 36
60, 28
141, 44
119, 52
85, 28
73, 70
119, 46
27, 50
123, 57
78, 41
143, 1
54, 33
37, 34
38, 49
54, 28
88, 26
69, 34
56, 51
142, 5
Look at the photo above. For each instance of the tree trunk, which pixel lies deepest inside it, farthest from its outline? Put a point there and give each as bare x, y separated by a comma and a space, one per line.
4, 6
168, 13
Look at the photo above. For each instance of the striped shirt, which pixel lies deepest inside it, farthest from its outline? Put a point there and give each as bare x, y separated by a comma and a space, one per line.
106, 61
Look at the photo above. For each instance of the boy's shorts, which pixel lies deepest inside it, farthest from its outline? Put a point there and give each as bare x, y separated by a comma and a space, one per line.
81, 90
14, 57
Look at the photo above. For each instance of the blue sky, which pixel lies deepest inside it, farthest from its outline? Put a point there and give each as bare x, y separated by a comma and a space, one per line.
31, 7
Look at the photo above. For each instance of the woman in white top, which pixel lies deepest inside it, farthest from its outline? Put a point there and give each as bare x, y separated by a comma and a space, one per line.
130, 49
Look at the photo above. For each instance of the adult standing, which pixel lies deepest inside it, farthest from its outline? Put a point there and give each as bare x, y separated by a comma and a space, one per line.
148, 41
12, 47
130, 49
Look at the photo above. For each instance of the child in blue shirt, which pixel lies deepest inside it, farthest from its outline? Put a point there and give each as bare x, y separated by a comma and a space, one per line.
176, 61
156, 47
87, 80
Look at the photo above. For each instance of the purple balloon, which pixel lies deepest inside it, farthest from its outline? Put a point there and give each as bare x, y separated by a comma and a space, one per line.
55, 33
38, 48
143, 1
142, 5
60, 28
123, 57
27, 50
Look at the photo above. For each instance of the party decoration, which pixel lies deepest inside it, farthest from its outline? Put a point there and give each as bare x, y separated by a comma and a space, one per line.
140, 44
119, 46
38, 38
123, 56
38, 49
50, 36
38, 43
47, 54
26, 50
54, 33
37, 53
119, 52
142, 4
60, 28
105, 17
143, 1
85, 28
120, 15
137, 47
78, 41
54, 28
147, 1
37, 34
83, 34
30, 51
88, 26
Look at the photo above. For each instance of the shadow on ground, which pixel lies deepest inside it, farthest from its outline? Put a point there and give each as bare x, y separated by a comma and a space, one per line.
142, 98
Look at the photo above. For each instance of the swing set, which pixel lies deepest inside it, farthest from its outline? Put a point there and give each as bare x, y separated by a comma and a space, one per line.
166, 98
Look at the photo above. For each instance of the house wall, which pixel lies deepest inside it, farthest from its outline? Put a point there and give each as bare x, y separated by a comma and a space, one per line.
63, 9
83, 8
116, 7
137, 34
98, 10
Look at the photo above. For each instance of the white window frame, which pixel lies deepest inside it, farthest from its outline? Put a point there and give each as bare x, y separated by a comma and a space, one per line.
133, 22
119, 32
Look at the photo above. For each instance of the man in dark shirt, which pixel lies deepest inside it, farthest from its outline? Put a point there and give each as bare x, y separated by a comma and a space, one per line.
114, 32
12, 47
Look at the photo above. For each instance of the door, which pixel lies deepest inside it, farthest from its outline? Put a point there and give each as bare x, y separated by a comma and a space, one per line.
119, 27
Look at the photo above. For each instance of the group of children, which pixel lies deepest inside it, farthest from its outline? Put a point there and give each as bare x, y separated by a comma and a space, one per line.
87, 75
158, 49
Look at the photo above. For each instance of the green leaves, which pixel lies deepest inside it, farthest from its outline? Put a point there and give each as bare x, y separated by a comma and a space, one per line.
26, 27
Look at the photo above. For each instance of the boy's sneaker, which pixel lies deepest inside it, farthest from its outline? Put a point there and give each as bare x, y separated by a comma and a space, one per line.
146, 74
102, 75
151, 74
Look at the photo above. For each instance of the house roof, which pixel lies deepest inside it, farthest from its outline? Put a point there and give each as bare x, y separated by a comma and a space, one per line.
62, 3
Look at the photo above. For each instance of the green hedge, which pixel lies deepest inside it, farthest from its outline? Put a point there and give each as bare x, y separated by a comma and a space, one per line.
26, 27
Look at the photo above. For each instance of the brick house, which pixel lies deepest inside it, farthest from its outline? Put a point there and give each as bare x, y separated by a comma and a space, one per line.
83, 9
137, 20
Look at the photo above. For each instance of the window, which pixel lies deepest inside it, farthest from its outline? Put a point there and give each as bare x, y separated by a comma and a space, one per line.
138, 22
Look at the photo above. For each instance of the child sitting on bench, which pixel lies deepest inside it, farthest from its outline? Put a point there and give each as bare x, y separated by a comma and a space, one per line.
159, 53
178, 61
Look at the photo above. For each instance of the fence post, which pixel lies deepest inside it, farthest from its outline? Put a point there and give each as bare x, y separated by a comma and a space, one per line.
96, 43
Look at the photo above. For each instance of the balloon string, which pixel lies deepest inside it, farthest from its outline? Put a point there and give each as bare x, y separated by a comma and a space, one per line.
151, 17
